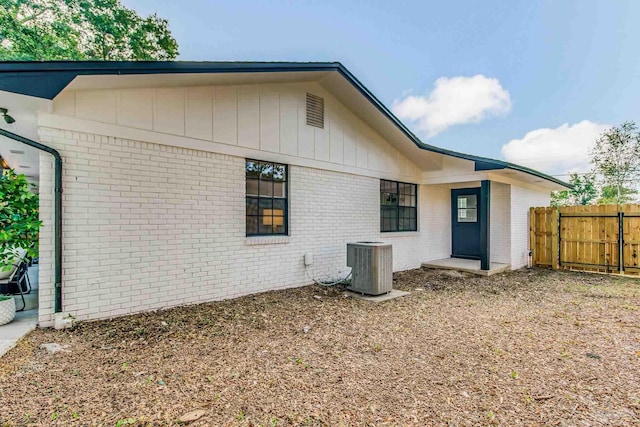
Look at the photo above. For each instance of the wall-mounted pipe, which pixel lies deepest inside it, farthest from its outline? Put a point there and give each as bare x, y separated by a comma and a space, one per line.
57, 213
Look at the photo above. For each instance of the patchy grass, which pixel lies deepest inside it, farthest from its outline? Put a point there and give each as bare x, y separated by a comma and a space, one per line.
532, 347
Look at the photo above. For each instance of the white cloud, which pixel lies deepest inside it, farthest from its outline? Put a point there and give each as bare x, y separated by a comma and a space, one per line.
555, 151
453, 101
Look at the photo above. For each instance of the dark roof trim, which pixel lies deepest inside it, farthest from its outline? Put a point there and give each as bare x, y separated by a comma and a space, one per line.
28, 78
481, 163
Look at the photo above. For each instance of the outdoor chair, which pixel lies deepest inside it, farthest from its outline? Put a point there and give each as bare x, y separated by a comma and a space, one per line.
16, 281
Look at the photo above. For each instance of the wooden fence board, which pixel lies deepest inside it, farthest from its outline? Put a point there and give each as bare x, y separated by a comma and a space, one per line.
585, 238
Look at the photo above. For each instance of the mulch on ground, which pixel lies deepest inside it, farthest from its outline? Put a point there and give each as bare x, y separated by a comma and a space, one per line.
531, 347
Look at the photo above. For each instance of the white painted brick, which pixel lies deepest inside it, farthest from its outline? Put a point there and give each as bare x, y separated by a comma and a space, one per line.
500, 223
148, 226
521, 200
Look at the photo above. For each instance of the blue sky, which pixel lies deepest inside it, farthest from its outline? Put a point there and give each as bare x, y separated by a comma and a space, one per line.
550, 75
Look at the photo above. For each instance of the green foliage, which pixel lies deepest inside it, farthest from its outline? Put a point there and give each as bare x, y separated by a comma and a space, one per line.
609, 195
584, 191
19, 223
560, 198
81, 30
616, 156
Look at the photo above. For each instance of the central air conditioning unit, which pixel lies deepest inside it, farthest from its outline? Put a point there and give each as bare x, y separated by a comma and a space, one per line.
371, 267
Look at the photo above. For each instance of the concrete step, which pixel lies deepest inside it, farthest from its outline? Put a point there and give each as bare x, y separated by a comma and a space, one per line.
31, 300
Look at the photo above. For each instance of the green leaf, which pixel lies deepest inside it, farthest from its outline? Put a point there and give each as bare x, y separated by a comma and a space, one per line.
19, 221
81, 30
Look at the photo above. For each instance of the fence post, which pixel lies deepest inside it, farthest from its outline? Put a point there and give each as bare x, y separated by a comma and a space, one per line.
621, 242
532, 236
555, 242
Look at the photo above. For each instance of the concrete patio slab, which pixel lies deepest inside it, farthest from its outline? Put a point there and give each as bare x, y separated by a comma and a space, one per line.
379, 298
12, 333
467, 265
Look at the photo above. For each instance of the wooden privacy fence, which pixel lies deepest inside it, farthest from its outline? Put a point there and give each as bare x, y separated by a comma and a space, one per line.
604, 238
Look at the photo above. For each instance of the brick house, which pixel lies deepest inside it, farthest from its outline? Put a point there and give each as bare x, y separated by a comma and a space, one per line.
189, 182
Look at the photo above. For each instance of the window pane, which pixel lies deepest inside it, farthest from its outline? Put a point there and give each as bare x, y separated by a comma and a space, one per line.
468, 215
279, 204
252, 168
252, 187
389, 199
267, 171
278, 224
268, 213
265, 226
266, 188
265, 204
390, 215
252, 224
388, 186
279, 173
407, 219
468, 201
398, 201
279, 189
252, 206
266, 201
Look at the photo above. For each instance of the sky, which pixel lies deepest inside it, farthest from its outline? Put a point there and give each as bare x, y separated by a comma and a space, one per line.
533, 81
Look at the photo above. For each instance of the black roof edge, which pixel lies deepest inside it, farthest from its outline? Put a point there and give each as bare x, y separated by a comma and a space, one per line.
484, 162
14, 73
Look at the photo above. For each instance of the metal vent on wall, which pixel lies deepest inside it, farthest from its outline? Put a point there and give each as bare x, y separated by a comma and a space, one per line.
315, 111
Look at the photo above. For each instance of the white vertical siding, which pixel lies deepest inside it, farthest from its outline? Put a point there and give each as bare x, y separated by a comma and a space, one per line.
289, 123
98, 105
169, 113
249, 116
265, 117
269, 120
199, 113
225, 115
135, 108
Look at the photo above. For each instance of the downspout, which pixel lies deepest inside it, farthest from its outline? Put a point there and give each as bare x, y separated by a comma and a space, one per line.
57, 212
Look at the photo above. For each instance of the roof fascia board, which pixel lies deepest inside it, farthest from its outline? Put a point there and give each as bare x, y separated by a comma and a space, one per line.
484, 163
26, 77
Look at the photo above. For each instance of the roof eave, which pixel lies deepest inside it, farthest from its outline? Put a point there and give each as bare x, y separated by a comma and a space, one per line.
14, 72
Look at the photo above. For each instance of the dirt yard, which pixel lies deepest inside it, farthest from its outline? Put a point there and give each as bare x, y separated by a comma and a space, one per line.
525, 348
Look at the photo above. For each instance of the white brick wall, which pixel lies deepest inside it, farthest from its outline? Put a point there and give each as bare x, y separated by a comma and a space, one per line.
433, 239
46, 251
435, 222
500, 226
148, 226
521, 200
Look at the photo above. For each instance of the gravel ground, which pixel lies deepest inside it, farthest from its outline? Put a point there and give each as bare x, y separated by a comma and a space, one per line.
532, 347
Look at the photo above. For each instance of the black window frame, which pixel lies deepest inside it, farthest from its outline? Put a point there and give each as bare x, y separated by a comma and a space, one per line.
249, 199
392, 212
